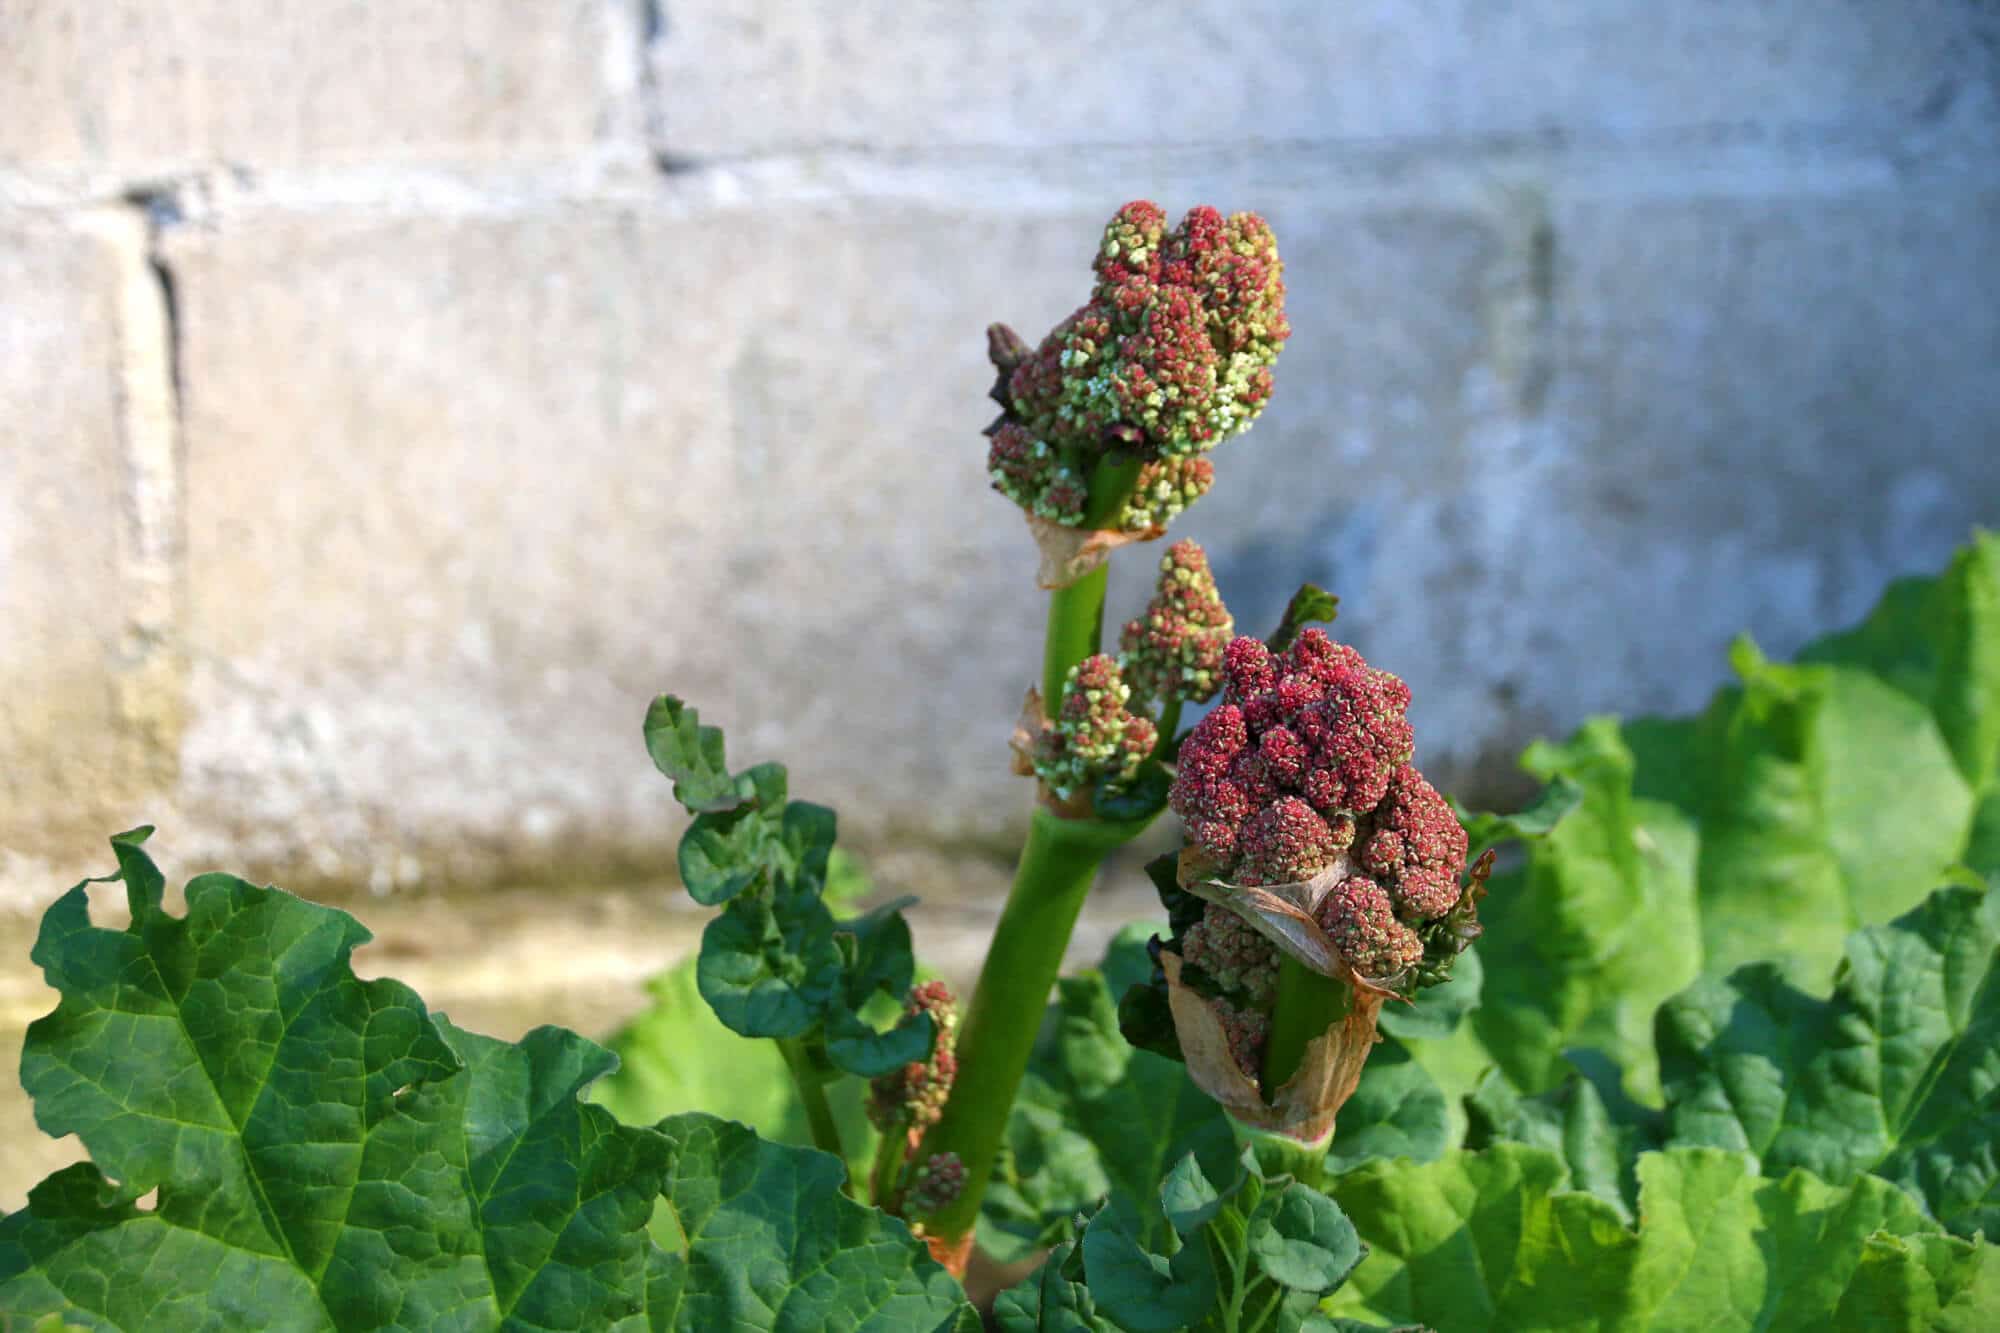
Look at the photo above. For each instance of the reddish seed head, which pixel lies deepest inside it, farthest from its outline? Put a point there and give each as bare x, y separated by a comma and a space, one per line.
1317, 657
1287, 841
1418, 848
1011, 457
1174, 651
1234, 955
1131, 244
1360, 920
1246, 665
1226, 734
1284, 756
1246, 1030
1166, 487
913, 1097
1170, 355
1275, 781
1095, 737
935, 1183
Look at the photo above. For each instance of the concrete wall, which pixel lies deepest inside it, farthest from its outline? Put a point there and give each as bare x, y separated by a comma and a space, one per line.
393, 398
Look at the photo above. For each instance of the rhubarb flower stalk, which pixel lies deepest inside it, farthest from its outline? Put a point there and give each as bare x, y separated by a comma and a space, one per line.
1334, 878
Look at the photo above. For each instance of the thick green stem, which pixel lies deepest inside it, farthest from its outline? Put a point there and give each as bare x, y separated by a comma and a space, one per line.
1308, 1004
1076, 619
998, 1030
812, 1094
1057, 867
1282, 1155
1076, 613
1111, 482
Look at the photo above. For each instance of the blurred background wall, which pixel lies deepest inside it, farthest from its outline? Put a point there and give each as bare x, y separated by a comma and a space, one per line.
395, 395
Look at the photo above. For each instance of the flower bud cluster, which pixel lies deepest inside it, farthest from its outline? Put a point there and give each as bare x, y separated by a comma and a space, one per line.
913, 1097
1095, 736
1361, 921
1031, 474
936, 1182
1303, 771
1232, 953
1247, 1029
1174, 651
1417, 849
1170, 356
1273, 782
1165, 488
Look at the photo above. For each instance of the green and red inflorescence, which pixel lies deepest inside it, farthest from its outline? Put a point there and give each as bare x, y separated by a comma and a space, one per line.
1274, 782
910, 1099
1361, 921
1417, 850
1163, 491
1312, 835
1171, 355
1236, 958
1246, 1027
1095, 737
1174, 651
938, 1180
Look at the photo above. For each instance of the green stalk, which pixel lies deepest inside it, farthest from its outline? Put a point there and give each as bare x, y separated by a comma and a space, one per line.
998, 1031
1076, 618
1282, 1155
1308, 1004
1170, 722
1076, 613
891, 1151
812, 1094
1056, 870
1111, 482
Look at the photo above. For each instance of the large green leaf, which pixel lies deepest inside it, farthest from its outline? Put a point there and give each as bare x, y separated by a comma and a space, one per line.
1600, 925
1588, 1122
767, 1241
322, 1152
1896, 1073
1806, 801
1397, 1110
326, 1154
1721, 1248
1495, 1240
1938, 641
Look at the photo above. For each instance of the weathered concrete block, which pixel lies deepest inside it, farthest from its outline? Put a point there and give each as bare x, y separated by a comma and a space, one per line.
85, 712
463, 496
749, 76
1558, 475
128, 86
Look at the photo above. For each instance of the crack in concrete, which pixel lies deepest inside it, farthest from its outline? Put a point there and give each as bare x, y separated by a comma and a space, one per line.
151, 678
652, 118
161, 208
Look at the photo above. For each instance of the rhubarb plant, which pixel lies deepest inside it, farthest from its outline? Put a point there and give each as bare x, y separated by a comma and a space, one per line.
1298, 1100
